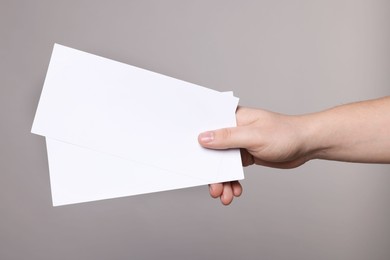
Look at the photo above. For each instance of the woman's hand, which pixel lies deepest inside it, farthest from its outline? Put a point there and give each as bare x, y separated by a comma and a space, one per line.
356, 132
265, 138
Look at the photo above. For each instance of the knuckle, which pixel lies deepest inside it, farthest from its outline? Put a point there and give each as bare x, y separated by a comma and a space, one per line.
226, 133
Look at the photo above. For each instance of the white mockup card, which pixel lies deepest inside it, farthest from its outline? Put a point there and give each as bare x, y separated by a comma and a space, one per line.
115, 130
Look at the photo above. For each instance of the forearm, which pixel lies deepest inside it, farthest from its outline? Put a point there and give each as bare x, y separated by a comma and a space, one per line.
357, 132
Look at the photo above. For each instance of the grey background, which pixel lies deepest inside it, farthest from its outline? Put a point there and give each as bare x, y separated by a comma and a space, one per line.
287, 56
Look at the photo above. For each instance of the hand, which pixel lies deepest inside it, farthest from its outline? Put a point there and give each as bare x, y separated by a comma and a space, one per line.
356, 132
265, 138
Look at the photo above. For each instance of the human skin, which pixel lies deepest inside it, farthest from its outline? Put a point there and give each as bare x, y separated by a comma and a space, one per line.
356, 132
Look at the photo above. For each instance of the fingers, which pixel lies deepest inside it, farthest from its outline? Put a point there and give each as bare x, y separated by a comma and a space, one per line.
237, 188
226, 191
227, 194
216, 190
225, 138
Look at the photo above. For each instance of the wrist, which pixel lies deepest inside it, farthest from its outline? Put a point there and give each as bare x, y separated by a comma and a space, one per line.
315, 141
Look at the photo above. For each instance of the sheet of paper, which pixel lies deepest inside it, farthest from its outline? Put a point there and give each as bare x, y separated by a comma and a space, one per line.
79, 175
111, 126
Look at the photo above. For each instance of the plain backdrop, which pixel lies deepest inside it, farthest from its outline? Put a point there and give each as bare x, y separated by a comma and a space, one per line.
287, 56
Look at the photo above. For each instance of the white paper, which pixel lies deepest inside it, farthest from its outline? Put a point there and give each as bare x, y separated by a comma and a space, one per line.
116, 130
79, 175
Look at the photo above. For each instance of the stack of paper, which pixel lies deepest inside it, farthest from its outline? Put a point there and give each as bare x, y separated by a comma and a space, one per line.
116, 130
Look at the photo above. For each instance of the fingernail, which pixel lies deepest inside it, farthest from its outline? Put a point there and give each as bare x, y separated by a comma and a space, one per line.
206, 137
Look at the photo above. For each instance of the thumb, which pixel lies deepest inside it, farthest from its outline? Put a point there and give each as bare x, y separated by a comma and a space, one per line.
225, 138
